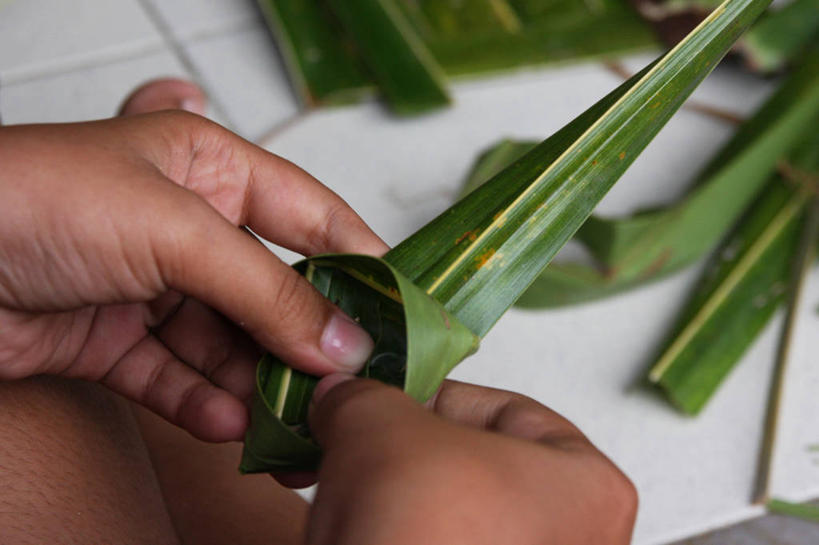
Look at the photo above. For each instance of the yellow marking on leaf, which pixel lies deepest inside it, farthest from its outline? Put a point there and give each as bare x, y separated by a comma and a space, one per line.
485, 257
367, 280
471, 235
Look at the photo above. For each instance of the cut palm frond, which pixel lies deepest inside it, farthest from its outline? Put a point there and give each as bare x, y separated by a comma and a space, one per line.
740, 291
633, 250
516, 33
326, 44
801, 263
406, 72
804, 511
775, 40
323, 66
780, 36
455, 277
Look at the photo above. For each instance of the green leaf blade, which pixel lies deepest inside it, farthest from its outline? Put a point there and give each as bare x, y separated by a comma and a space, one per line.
804, 511
744, 285
781, 35
323, 68
527, 212
407, 73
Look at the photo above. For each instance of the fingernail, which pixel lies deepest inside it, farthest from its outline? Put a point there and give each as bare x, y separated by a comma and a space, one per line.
345, 343
192, 105
326, 384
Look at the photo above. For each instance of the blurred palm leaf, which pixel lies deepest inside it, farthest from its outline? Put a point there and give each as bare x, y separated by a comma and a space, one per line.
334, 55
744, 285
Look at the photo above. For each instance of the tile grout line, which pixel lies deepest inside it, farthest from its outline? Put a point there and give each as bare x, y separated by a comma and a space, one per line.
95, 60
267, 137
178, 50
206, 33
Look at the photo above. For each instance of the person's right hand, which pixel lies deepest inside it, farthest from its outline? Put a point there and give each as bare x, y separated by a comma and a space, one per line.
122, 262
485, 467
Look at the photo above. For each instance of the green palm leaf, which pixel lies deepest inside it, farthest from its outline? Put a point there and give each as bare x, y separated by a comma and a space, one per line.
406, 71
780, 36
744, 285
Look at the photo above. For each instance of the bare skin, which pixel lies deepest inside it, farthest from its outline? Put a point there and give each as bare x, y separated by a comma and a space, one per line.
146, 210
206, 498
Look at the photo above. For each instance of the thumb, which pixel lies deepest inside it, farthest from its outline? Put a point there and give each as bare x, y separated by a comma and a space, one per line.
206, 256
349, 414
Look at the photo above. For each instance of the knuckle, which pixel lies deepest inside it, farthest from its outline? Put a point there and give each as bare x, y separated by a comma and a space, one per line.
291, 299
187, 121
620, 498
627, 497
178, 244
216, 358
338, 218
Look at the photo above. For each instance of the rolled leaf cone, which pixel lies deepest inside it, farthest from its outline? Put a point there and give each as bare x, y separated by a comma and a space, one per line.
417, 343
477, 257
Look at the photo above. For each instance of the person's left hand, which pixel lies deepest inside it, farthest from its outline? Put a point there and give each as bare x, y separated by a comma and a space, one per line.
483, 466
107, 226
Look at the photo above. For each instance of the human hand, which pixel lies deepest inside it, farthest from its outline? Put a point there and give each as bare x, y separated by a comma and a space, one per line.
121, 262
486, 467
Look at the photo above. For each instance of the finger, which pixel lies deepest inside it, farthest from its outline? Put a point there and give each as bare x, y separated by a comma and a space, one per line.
165, 94
251, 186
504, 412
201, 254
206, 341
288, 206
152, 376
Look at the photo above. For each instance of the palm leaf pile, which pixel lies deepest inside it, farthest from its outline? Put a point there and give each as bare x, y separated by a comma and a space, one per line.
406, 51
339, 51
430, 299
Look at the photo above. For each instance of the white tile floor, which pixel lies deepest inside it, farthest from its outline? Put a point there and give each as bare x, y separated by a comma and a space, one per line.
189, 19
67, 61
244, 75
47, 36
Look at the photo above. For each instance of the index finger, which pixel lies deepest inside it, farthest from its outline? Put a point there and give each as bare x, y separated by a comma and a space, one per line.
288, 206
